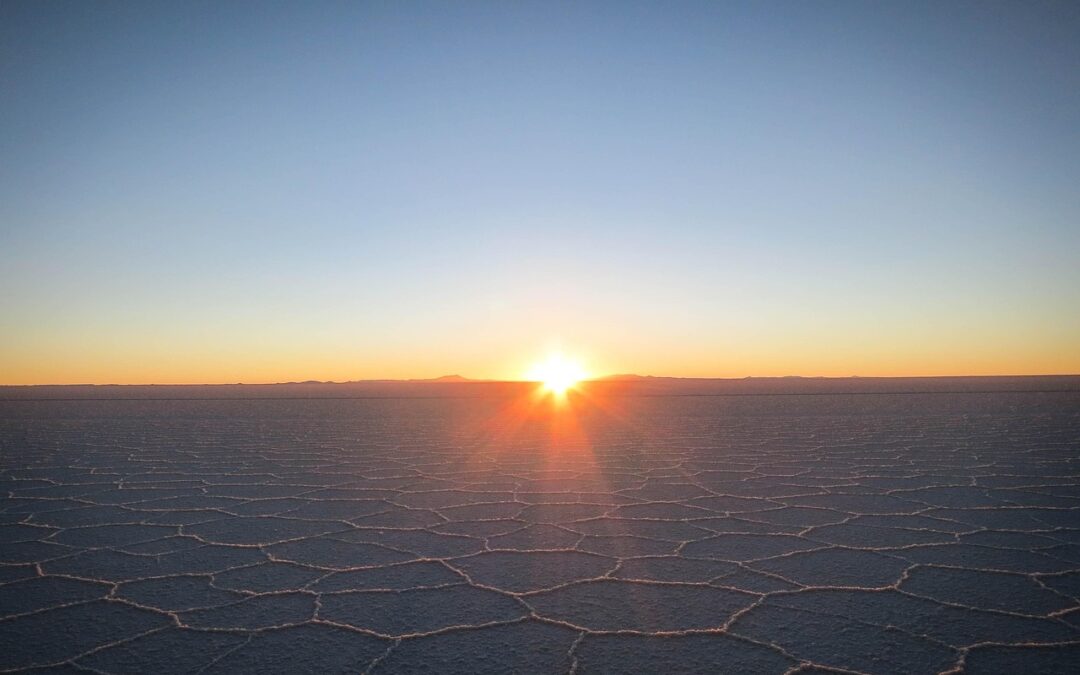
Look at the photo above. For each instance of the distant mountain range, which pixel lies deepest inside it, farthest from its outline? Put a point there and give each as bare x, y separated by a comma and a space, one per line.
622, 377
457, 386
444, 378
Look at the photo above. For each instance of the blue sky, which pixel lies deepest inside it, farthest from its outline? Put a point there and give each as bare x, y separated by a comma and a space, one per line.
222, 192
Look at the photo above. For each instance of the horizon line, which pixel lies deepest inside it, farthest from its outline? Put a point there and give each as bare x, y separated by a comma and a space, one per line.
458, 379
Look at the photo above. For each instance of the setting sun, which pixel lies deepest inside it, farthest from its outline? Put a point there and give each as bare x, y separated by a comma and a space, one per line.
557, 373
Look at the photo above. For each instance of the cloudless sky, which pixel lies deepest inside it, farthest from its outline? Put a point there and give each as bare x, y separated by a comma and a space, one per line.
258, 192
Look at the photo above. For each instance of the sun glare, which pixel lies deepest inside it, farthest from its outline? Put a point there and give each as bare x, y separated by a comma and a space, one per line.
557, 374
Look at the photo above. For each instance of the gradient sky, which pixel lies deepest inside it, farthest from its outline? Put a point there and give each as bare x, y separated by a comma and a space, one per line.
223, 192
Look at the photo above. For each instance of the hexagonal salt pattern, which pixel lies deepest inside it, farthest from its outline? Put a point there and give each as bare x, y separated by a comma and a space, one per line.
899, 533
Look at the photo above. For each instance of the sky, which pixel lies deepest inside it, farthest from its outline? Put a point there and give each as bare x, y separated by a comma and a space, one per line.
233, 192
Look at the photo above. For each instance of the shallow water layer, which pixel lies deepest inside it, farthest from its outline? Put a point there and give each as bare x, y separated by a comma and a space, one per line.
875, 533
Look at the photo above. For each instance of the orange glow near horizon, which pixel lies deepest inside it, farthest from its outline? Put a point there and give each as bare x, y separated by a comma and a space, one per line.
178, 357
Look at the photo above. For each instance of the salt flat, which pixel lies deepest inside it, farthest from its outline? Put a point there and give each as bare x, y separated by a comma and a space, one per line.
906, 533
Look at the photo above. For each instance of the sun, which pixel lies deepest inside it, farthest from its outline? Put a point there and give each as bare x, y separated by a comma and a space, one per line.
557, 374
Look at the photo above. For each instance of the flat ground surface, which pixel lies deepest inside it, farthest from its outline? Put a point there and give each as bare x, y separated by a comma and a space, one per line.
873, 533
